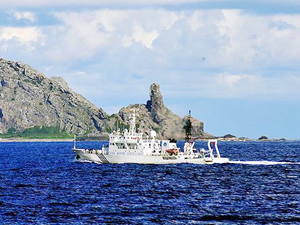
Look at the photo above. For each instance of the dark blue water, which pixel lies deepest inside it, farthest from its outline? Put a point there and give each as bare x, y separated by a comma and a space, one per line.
40, 183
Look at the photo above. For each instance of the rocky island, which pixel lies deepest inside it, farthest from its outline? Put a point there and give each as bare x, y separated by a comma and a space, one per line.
30, 102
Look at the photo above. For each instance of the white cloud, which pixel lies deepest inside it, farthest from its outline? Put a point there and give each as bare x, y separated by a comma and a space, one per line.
225, 39
279, 87
219, 53
254, 42
234, 85
30, 16
243, 47
80, 36
167, 19
144, 37
195, 21
26, 36
233, 81
58, 3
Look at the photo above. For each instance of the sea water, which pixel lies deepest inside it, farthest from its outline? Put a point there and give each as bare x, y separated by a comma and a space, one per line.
41, 183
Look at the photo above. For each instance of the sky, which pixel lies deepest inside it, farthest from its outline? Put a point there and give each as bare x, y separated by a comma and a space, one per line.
235, 64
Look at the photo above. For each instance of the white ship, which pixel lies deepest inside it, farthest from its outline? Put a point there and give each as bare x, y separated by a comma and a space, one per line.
130, 147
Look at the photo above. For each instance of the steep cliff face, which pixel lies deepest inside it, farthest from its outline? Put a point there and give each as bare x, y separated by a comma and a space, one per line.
155, 115
28, 98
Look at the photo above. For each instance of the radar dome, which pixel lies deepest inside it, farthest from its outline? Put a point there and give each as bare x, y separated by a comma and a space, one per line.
153, 133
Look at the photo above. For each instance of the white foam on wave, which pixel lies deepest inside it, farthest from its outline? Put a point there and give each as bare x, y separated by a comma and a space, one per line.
82, 161
261, 162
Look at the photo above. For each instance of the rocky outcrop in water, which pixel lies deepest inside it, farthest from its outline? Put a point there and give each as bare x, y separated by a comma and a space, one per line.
28, 99
155, 115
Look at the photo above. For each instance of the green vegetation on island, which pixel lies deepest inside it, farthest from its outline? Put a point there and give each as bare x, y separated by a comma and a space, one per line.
37, 132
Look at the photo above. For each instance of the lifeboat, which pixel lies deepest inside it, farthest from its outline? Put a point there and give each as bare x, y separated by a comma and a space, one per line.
173, 151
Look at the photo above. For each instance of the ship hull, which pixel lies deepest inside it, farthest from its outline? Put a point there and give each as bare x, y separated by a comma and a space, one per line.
98, 157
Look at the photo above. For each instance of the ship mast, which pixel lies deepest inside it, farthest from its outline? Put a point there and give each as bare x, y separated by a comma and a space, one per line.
188, 127
132, 128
